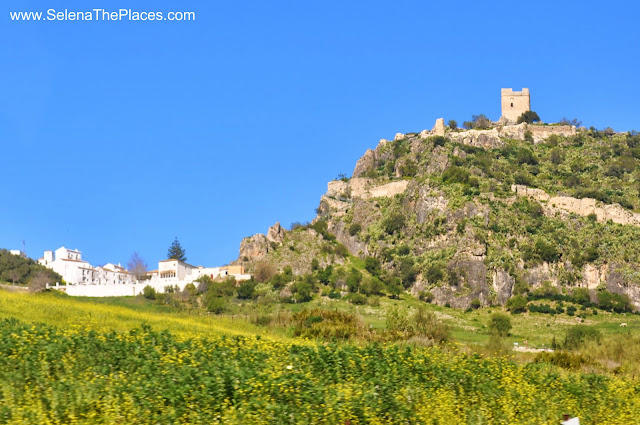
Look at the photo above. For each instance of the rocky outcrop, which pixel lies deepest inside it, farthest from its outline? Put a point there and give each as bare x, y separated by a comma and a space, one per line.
253, 248
276, 233
365, 164
502, 286
486, 139
586, 206
438, 129
352, 243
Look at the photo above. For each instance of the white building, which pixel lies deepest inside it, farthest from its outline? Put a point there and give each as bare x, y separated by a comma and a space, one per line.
69, 264
83, 279
18, 253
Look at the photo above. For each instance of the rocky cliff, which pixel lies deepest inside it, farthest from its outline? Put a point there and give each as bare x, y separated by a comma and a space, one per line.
478, 216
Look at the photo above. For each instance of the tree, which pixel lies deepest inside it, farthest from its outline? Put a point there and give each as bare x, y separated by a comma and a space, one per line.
176, 252
39, 281
137, 266
499, 324
246, 289
453, 124
528, 117
263, 271
478, 122
576, 122
149, 293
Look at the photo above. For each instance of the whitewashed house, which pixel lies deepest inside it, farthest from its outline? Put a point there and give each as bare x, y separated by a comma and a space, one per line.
83, 279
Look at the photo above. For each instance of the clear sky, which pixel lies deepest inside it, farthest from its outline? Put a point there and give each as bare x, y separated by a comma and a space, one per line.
119, 136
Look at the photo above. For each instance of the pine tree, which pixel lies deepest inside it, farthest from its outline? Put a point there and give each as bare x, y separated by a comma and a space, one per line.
176, 252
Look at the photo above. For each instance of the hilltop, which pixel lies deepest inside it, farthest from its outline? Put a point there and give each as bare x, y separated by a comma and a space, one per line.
476, 218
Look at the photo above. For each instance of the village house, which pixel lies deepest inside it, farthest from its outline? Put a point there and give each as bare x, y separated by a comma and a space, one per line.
84, 279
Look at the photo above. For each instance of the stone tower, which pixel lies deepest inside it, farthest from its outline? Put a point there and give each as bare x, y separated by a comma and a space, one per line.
514, 103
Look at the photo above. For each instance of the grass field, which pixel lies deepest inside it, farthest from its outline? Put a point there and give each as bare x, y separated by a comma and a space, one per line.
119, 315
131, 360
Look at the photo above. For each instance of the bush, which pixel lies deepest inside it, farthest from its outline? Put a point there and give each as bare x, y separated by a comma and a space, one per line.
528, 117
475, 304
577, 336
392, 223
561, 359
610, 301
263, 271
327, 324
453, 124
407, 272
372, 265
517, 304
425, 324
149, 293
214, 304
353, 280
456, 174
434, 273
354, 229
499, 324
357, 299
246, 290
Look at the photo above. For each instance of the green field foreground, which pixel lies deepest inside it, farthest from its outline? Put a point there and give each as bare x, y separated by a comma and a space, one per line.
76, 361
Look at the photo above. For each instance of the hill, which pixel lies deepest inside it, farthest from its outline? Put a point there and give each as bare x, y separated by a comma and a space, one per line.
479, 217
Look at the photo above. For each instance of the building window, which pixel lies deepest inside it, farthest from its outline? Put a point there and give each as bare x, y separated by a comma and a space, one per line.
512, 105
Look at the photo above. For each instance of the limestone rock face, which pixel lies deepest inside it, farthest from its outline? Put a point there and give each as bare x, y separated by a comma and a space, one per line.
365, 164
276, 233
253, 248
352, 243
438, 129
502, 285
486, 139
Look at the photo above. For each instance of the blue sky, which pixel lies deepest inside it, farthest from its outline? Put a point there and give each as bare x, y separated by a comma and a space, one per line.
118, 136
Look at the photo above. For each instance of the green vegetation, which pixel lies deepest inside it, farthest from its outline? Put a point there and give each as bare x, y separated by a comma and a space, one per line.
176, 252
24, 271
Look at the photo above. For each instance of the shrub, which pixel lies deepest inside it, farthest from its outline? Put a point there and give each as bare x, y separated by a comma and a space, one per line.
357, 299
614, 302
372, 265
528, 117
263, 271
561, 359
434, 273
149, 293
214, 304
426, 296
577, 336
547, 251
246, 289
455, 174
392, 223
499, 324
326, 324
354, 229
353, 280
475, 304
426, 324
439, 140
517, 304
525, 156
453, 124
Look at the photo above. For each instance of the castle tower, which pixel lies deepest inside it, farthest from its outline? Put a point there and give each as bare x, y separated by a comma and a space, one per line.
514, 103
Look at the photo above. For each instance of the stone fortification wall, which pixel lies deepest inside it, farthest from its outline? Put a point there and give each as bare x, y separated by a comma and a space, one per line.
582, 207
